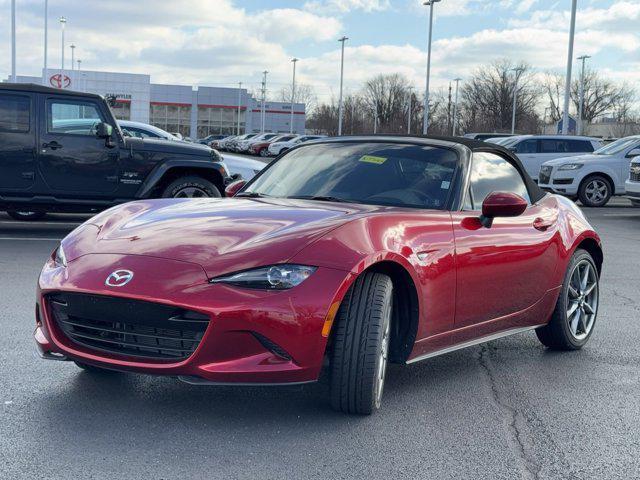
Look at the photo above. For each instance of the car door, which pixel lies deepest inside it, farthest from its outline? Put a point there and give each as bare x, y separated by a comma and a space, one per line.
528, 151
72, 159
503, 270
17, 142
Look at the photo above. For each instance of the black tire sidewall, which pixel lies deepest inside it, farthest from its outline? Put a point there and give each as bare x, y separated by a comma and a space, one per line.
191, 181
582, 191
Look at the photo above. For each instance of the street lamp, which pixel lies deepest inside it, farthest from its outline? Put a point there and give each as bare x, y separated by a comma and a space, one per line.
79, 63
341, 40
293, 92
239, 104
73, 48
567, 86
410, 102
63, 22
425, 126
583, 58
46, 38
264, 98
455, 107
518, 71
13, 41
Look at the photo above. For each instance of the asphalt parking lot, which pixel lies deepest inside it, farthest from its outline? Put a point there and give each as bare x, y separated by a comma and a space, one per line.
508, 409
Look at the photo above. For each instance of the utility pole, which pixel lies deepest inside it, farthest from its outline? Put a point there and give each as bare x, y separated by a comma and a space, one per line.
583, 58
425, 126
46, 38
63, 22
518, 71
449, 124
13, 41
264, 99
375, 119
409, 111
340, 106
73, 48
239, 104
567, 86
293, 92
455, 106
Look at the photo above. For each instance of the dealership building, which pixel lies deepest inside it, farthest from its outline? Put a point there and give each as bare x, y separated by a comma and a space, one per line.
192, 111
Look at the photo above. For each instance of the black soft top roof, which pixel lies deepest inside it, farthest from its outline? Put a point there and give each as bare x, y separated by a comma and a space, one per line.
535, 192
34, 87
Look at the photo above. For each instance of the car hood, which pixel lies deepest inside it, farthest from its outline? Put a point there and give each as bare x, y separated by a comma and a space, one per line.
168, 146
221, 235
243, 162
576, 159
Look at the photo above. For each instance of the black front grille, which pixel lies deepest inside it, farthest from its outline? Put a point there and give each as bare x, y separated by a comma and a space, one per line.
544, 175
635, 175
133, 328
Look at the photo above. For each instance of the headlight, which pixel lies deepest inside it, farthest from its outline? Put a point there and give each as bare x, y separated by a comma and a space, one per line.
59, 257
274, 277
571, 166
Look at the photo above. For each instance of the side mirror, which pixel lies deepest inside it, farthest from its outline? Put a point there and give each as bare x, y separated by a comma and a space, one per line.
501, 204
234, 187
104, 130
633, 153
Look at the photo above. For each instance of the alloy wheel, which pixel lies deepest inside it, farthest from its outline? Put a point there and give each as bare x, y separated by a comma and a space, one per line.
582, 299
596, 191
191, 192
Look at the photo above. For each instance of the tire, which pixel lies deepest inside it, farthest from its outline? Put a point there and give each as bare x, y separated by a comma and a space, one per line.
191, 186
565, 331
94, 370
264, 153
595, 191
361, 345
26, 216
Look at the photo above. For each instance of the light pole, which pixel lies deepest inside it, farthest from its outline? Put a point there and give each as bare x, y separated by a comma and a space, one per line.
79, 62
293, 92
13, 41
239, 104
264, 98
73, 56
46, 38
581, 105
425, 125
518, 72
63, 22
410, 102
341, 40
567, 86
455, 107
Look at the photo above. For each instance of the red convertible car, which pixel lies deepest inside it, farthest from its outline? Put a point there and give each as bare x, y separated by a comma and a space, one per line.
345, 254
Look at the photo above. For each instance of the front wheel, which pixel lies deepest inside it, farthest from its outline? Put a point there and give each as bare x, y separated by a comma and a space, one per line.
191, 187
595, 191
26, 216
576, 310
361, 345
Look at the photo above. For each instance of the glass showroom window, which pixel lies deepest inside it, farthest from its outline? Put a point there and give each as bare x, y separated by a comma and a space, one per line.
121, 110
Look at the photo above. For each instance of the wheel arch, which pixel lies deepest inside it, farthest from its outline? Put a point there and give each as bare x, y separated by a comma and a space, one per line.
162, 177
607, 176
592, 246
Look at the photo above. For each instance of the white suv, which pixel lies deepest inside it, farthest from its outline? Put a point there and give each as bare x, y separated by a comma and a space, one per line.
592, 178
282, 144
632, 185
534, 150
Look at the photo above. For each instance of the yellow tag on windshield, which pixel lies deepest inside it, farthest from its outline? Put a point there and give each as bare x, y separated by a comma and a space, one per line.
372, 159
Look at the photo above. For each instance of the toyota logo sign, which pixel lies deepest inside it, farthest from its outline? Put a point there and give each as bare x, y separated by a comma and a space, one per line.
119, 278
59, 81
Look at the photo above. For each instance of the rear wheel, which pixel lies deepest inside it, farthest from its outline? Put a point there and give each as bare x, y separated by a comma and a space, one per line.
595, 191
191, 187
361, 345
27, 216
576, 310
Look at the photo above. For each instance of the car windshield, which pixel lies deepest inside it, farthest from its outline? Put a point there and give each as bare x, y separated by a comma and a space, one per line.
618, 146
371, 173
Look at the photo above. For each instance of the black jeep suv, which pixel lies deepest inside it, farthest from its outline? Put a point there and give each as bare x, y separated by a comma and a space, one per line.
63, 151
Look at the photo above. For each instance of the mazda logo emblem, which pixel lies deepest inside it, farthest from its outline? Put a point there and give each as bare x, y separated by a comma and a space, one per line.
119, 278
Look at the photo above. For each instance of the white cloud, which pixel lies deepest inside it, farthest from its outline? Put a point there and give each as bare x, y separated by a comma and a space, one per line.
345, 6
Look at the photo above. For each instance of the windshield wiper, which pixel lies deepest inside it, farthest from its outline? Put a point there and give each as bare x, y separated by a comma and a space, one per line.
321, 198
251, 195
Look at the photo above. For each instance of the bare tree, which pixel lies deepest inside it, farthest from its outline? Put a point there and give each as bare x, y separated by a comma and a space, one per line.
304, 94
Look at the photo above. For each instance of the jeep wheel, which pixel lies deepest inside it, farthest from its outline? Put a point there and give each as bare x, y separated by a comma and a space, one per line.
191, 187
26, 216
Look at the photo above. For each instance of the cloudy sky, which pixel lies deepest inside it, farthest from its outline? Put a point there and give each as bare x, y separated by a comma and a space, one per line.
221, 42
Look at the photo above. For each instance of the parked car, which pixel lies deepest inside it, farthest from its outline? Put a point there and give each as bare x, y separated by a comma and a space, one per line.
284, 144
278, 145
210, 138
485, 136
534, 150
63, 151
244, 145
223, 144
347, 253
632, 185
499, 140
242, 167
144, 130
233, 145
593, 178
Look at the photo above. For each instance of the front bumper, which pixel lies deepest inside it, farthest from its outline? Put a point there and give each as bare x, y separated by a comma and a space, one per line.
560, 182
230, 351
632, 190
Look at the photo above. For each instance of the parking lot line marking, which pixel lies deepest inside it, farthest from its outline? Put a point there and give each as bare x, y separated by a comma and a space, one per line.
42, 239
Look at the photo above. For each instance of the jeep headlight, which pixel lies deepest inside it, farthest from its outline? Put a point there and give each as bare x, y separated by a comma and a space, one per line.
571, 166
273, 277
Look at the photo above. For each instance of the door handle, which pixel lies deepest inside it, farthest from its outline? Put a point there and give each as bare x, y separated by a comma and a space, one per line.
53, 145
28, 175
543, 224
